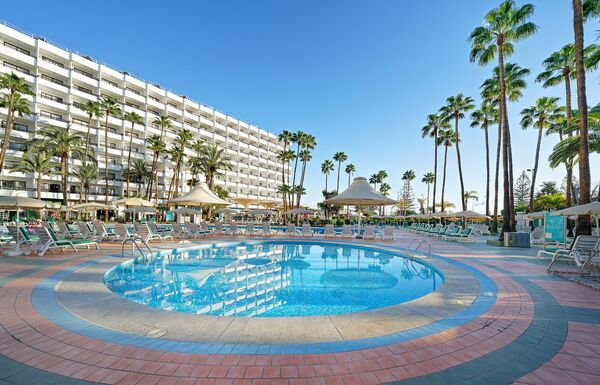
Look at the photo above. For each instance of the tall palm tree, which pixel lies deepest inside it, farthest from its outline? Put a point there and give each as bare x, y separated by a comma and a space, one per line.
213, 161
541, 116
514, 76
503, 26
583, 222
284, 190
381, 175
559, 67
384, 189
194, 161
428, 179
374, 179
435, 123
298, 138
339, 157
139, 173
133, 118
92, 109
308, 143
446, 138
286, 137
109, 107
163, 122
87, 174
285, 156
38, 163
157, 146
455, 108
471, 195
326, 168
408, 176
64, 144
484, 117
15, 104
182, 140
350, 170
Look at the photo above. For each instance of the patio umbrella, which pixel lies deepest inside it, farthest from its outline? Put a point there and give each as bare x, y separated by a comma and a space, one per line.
18, 203
201, 195
150, 210
246, 201
261, 212
226, 210
298, 211
91, 206
184, 211
360, 193
132, 202
592, 209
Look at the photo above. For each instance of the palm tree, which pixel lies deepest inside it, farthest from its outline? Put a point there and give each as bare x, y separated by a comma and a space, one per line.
471, 195
514, 77
308, 143
350, 170
134, 119
542, 115
65, 144
213, 161
182, 140
284, 190
87, 174
485, 116
339, 157
435, 123
384, 189
374, 179
298, 138
381, 175
285, 156
286, 137
157, 146
109, 107
194, 161
455, 108
503, 26
446, 138
15, 104
428, 179
326, 168
36, 162
163, 122
559, 67
92, 109
568, 148
583, 221
139, 173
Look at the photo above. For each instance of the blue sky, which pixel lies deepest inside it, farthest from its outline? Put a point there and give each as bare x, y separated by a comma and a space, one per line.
360, 76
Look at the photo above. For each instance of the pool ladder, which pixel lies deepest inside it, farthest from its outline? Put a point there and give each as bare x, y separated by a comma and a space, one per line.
135, 245
419, 243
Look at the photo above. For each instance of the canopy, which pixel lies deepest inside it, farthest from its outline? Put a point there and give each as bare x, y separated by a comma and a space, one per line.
226, 210
299, 211
134, 202
360, 193
91, 206
468, 214
16, 202
586, 209
261, 212
147, 210
536, 215
185, 211
200, 195
246, 201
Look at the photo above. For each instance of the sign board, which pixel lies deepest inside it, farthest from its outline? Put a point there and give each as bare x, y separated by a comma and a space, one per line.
169, 216
554, 228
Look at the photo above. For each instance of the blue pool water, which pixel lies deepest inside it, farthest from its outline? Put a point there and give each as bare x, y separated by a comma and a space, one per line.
273, 279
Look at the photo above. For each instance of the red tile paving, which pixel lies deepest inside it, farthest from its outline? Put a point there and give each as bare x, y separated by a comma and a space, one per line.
30, 338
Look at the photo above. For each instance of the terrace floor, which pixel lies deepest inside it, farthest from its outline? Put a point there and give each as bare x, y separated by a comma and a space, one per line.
536, 329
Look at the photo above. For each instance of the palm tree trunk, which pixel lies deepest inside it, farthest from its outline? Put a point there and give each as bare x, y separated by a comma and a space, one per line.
295, 167
535, 164
39, 186
435, 161
496, 181
7, 131
583, 221
298, 195
106, 168
337, 189
460, 174
427, 208
325, 181
487, 169
63, 175
507, 212
444, 177
568, 164
129, 157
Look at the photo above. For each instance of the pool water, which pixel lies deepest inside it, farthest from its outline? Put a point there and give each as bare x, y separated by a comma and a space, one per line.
273, 279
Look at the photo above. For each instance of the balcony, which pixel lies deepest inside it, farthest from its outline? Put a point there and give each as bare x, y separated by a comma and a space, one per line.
15, 55
85, 79
135, 97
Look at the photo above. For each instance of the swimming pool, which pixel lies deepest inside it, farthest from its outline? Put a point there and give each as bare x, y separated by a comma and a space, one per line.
273, 279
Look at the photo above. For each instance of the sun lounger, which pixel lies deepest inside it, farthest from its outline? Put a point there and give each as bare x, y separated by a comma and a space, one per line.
101, 233
329, 231
583, 246
347, 231
307, 230
464, 236
369, 233
291, 230
249, 229
388, 233
121, 232
154, 232
49, 240
266, 229
179, 231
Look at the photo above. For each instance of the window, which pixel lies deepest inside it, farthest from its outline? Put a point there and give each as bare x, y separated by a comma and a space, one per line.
132, 105
83, 89
52, 61
74, 189
84, 73
111, 176
16, 126
112, 145
153, 112
53, 80
81, 122
134, 91
16, 67
51, 115
13, 185
51, 97
154, 98
17, 146
18, 49
110, 82
173, 105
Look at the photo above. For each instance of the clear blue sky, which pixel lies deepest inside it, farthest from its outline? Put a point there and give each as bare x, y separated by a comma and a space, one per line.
360, 76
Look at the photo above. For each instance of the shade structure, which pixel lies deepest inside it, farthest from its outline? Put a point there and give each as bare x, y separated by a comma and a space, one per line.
146, 210
132, 202
226, 210
360, 193
468, 214
536, 215
18, 203
246, 201
592, 208
299, 211
200, 195
92, 206
261, 212
184, 211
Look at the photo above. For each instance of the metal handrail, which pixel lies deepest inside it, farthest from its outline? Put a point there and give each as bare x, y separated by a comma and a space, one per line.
135, 245
419, 247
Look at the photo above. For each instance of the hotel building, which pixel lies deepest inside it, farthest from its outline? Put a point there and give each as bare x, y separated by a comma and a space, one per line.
62, 80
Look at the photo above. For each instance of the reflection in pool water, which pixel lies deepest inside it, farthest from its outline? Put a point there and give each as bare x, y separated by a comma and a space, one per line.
273, 279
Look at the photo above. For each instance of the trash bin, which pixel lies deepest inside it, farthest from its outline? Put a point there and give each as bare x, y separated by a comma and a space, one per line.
517, 239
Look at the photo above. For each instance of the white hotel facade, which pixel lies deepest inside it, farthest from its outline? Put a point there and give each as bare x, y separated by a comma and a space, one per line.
61, 80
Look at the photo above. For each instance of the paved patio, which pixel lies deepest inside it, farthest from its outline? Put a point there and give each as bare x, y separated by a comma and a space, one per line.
537, 329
